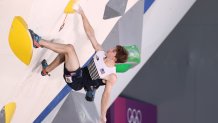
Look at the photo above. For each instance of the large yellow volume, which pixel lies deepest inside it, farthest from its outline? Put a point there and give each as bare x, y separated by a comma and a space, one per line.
8, 112
20, 40
69, 8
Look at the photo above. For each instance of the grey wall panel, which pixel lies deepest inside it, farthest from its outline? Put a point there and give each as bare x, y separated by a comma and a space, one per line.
76, 109
115, 8
164, 75
130, 25
128, 30
112, 39
110, 13
180, 109
206, 62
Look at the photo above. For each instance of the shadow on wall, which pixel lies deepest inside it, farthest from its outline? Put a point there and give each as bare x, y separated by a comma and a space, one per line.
77, 109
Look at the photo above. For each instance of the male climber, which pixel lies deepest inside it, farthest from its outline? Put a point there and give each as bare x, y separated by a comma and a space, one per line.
100, 71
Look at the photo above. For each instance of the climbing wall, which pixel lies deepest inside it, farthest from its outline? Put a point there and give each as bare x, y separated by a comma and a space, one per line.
39, 99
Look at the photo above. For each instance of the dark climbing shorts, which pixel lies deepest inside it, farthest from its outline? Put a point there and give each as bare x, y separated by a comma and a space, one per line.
76, 79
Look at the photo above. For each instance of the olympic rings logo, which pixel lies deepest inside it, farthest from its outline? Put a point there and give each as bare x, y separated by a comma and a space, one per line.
134, 116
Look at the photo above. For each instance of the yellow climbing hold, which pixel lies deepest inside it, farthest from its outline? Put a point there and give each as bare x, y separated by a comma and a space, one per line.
20, 40
9, 111
69, 8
